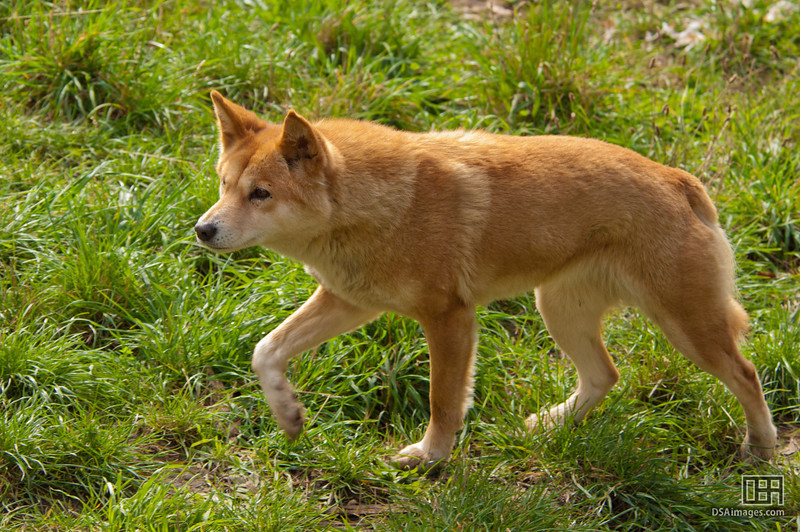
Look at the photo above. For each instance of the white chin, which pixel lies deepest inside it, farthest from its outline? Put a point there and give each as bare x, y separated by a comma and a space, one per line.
217, 249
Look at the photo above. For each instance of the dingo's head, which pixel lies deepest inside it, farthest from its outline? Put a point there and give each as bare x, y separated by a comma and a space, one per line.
272, 189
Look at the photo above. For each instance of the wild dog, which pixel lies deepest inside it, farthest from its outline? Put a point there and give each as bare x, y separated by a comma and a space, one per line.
429, 225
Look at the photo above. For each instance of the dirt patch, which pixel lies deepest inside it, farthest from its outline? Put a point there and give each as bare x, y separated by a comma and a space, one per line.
789, 445
479, 9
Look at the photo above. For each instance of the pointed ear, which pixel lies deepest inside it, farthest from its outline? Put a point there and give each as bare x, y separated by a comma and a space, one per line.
234, 121
299, 139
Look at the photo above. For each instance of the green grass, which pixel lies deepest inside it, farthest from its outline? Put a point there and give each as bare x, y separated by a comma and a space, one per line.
126, 397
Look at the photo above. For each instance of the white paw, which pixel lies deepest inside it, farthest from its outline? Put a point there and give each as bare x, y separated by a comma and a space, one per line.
283, 403
762, 448
537, 423
416, 457
291, 419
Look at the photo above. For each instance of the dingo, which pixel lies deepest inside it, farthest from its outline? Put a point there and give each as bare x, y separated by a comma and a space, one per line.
429, 225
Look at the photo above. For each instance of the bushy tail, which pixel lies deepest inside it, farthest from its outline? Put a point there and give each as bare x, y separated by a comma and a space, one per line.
705, 211
699, 201
737, 316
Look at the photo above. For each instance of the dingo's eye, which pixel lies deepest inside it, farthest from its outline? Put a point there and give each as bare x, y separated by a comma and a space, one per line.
260, 194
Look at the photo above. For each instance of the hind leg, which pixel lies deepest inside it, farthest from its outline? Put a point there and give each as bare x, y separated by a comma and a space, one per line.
573, 314
707, 335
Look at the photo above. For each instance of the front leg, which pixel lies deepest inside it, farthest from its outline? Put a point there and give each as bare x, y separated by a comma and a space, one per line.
320, 318
452, 339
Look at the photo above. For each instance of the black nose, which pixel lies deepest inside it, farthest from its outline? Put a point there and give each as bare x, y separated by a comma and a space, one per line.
205, 231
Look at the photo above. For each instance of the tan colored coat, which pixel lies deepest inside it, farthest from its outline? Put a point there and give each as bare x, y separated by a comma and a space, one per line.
429, 225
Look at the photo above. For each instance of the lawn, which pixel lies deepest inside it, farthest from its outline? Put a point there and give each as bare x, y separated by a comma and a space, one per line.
127, 401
